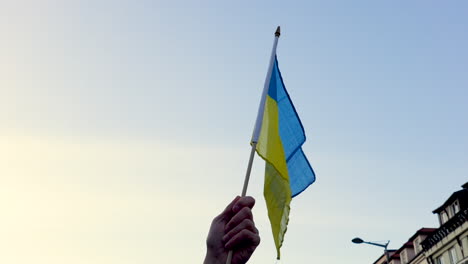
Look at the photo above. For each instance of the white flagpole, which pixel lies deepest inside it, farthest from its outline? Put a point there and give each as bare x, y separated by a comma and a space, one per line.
261, 107
258, 122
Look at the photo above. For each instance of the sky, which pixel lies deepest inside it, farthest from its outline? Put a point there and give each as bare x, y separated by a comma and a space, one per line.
125, 125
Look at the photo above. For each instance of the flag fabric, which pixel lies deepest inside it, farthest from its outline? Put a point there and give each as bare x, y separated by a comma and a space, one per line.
287, 170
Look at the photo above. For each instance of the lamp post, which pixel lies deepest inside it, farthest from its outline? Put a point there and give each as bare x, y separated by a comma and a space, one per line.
357, 240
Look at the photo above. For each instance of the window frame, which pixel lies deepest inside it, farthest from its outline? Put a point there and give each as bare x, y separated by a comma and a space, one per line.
440, 260
455, 205
442, 220
453, 255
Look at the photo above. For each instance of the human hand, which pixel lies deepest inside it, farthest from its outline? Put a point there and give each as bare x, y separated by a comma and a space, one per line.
234, 229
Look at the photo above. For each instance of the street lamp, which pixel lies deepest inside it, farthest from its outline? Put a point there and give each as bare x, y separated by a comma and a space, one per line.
358, 240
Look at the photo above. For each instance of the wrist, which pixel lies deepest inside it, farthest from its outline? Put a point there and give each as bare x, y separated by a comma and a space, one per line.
211, 259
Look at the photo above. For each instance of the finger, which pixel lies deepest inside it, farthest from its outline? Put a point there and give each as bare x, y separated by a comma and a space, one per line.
246, 224
246, 201
244, 213
228, 212
245, 238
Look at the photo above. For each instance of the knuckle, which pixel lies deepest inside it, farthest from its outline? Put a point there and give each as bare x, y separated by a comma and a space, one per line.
244, 233
246, 212
251, 200
257, 240
247, 201
216, 219
228, 226
247, 223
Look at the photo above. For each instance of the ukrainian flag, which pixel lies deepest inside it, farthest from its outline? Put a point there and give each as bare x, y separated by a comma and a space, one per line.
287, 170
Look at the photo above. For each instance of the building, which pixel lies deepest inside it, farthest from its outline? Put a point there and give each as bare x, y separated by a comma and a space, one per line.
447, 244
418, 257
411, 252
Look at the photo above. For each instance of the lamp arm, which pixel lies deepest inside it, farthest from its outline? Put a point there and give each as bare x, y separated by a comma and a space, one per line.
376, 244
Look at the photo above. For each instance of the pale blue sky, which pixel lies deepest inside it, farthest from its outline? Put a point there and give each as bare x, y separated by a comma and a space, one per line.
124, 125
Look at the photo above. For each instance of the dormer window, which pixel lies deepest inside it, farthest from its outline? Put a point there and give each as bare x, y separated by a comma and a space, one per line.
417, 245
443, 217
403, 257
455, 207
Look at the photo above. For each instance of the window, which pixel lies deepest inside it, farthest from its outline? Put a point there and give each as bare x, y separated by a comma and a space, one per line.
417, 245
439, 260
455, 207
453, 255
403, 257
443, 217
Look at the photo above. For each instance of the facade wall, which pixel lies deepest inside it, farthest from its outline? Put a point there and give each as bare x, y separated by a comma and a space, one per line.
417, 243
410, 253
464, 246
453, 240
381, 261
464, 242
419, 259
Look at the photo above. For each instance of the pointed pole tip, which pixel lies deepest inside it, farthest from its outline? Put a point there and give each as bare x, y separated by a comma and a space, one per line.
278, 31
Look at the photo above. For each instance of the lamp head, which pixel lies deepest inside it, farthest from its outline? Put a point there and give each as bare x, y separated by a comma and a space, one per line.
357, 240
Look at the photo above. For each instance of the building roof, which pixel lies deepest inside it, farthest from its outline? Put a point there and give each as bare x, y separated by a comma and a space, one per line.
423, 231
463, 193
408, 244
395, 255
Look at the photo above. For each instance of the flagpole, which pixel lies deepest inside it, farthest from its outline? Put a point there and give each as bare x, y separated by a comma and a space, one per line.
261, 107
258, 122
